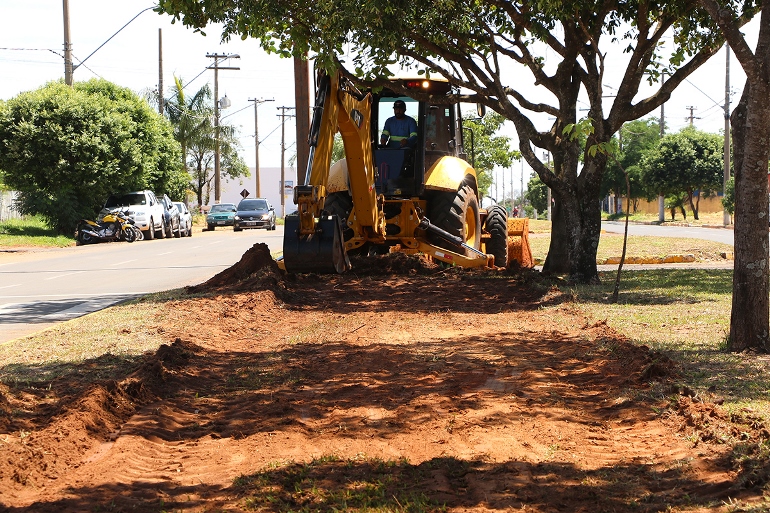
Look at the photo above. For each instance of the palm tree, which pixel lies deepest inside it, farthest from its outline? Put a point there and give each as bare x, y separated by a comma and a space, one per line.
191, 117
194, 129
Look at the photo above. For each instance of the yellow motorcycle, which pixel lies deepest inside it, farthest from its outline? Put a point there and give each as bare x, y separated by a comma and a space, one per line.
114, 226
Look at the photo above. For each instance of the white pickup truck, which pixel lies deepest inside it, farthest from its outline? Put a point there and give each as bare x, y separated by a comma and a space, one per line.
143, 207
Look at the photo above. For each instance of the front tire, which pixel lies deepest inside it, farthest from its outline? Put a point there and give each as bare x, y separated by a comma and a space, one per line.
151, 230
129, 234
161, 234
178, 231
496, 225
211, 227
457, 213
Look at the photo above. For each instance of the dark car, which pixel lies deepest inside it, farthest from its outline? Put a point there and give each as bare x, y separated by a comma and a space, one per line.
254, 213
171, 216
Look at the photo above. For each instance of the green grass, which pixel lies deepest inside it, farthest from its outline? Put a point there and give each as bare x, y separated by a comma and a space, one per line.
684, 314
332, 484
105, 344
611, 245
31, 231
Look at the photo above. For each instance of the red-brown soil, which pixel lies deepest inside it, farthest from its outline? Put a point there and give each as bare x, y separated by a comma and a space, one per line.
447, 386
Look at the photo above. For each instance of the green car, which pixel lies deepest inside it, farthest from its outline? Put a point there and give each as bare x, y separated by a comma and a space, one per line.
221, 214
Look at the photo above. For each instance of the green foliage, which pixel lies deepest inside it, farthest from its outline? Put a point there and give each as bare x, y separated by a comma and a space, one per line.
537, 193
636, 138
489, 150
685, 162
66, 149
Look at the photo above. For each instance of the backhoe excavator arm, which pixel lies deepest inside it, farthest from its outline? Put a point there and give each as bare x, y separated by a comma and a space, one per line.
308, 243
341, 107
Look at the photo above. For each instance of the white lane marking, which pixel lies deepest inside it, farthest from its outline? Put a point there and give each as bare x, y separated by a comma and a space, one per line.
166, 253
101, 294
123, 262
9, 286
63, 275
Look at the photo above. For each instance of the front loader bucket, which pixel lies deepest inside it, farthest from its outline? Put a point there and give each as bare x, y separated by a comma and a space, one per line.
320, 252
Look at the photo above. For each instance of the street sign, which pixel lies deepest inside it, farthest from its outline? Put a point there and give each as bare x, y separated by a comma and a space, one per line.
244, 193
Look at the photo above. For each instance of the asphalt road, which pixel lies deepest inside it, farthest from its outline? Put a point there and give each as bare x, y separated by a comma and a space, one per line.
41, 288
724, 235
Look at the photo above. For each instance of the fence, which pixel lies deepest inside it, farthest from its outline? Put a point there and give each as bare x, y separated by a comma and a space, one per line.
6, 206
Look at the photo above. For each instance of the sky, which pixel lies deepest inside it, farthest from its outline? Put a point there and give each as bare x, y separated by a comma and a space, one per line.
31, 54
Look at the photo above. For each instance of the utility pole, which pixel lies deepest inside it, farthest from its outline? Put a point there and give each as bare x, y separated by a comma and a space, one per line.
67, 45
256, 142
160, 71
217, 67
726, 215
283, 117
69, 68
691, 117
302, 102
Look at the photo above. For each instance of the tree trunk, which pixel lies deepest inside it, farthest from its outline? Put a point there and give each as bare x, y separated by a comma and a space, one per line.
557, 260
750, 318
693, 206
575, 225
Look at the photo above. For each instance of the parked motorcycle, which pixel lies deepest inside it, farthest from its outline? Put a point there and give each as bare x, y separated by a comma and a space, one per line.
114, 226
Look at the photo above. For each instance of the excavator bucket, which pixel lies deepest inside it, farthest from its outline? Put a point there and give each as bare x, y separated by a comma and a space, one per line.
518, 242
320, 252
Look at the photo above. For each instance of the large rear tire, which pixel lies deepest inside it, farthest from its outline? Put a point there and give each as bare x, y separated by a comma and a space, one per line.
496, 225
457, 213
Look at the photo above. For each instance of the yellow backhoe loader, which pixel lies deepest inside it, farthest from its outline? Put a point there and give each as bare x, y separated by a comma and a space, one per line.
422, 198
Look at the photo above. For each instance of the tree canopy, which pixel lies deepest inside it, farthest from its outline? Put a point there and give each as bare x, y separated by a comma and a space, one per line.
488, 150
191, 117
66, 149
493, 51
635, 138
688, 162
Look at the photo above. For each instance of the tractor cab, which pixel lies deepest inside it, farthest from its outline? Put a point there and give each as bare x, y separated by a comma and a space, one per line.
401, 172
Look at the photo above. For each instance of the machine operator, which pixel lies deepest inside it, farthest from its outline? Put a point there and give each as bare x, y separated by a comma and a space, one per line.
400, 130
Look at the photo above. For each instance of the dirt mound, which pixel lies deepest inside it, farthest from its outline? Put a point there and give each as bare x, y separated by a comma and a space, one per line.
256, 260
639, 364
393, 263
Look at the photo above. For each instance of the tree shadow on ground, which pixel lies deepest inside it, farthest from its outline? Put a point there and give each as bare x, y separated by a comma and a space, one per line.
330, 484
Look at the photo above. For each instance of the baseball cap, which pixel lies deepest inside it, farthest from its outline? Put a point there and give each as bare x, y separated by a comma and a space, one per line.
399, 104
